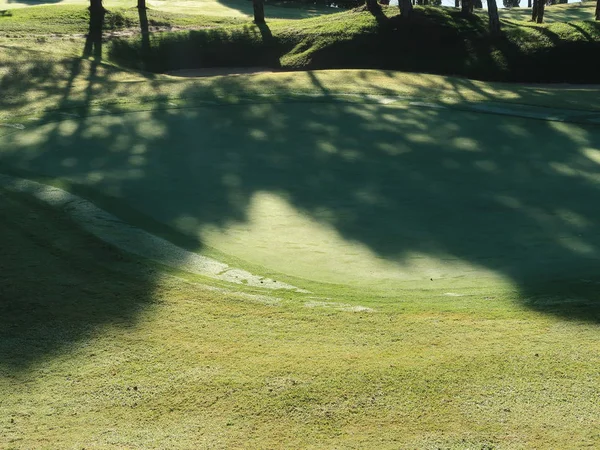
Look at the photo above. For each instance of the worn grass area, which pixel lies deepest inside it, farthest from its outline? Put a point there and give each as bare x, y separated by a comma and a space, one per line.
98, 351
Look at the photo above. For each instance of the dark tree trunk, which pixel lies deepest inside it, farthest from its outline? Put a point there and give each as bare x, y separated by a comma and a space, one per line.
259, 11
494, 18
529, 3
457, 3
467, 7
144, 28
539, 11
477, 4
598, 10
141, 4
373, 6
93, 42
96, 6
406, 8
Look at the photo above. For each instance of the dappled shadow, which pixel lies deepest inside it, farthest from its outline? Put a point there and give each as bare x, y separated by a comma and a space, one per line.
503, 195
485, 194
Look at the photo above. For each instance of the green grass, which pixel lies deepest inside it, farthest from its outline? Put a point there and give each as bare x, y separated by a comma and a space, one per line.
98, 351
211, 9
526, 52
491, 342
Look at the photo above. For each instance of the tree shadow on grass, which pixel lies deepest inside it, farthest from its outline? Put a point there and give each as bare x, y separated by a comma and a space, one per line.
510, 196
515, 197
58, 284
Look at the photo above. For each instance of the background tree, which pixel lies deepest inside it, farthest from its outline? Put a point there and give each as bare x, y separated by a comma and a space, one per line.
372, 5
537, 12
494, 18
259, 11
513, 3
477, 4
406, 8
597, 9
467, 7
96, 6
141, 4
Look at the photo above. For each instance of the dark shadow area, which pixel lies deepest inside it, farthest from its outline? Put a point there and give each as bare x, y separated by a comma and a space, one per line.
58, 284
247, 46
270, 45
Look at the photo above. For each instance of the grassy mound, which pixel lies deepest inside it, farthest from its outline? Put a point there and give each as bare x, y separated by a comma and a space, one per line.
436, 41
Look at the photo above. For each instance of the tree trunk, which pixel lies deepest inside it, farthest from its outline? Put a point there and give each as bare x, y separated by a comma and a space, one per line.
259, 11
96, 6
467, 7
598, 10
141, 4
494, 18
534, 10
406, 8
457, 3
529, 3
540, 11
372, 5
477, 4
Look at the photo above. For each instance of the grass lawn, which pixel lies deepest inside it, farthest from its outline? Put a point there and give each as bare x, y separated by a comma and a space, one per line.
445, 229
99, 351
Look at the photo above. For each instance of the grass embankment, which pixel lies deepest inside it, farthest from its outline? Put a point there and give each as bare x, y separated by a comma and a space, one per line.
437, 41
98, 351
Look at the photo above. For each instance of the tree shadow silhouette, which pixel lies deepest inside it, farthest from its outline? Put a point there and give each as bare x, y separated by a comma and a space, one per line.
58, 285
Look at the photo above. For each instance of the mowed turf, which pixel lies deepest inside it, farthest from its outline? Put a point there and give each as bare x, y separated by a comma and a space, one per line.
99, 351
370, 197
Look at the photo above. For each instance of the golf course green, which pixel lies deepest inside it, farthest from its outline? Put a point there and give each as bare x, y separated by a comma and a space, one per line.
204, 249
376, 195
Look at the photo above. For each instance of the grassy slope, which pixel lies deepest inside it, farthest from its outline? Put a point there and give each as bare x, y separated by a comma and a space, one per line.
447, 43
527, 52
146, 361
